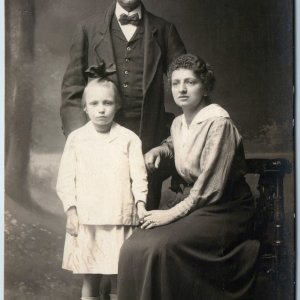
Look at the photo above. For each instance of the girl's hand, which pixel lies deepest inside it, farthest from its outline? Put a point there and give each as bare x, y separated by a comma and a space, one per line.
72, 221
141, 211
156, 218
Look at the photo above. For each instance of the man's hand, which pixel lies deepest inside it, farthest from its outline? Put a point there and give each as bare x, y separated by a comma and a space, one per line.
72, 221
152, 159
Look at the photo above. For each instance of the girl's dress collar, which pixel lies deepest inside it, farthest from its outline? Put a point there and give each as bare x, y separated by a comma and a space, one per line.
113, 133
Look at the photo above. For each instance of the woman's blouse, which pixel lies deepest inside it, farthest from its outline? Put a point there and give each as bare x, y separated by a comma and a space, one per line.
207, 154
103, 176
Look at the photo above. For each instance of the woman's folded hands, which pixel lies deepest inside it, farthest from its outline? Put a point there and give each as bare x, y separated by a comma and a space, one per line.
154, 218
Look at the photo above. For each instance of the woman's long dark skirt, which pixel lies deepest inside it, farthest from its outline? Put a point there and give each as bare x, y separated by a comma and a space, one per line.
206, 255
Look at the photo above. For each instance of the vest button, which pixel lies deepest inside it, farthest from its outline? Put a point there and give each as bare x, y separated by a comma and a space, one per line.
128, 48
127, 59
125, 85
126, 72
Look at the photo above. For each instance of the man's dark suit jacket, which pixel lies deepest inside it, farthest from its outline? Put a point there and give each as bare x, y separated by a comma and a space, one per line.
92, 41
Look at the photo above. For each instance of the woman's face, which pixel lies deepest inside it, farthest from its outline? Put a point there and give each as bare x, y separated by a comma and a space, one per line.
187, 89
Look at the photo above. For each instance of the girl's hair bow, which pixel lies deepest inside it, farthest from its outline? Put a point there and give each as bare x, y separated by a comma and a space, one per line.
100, 71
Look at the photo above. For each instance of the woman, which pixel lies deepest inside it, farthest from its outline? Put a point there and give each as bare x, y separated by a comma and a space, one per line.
200, 247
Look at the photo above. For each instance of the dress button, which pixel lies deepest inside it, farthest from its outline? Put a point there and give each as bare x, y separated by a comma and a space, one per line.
128, 48
126, 72
125, 85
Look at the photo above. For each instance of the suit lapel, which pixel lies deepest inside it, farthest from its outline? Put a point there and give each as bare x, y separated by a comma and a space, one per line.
103, 46
152, 52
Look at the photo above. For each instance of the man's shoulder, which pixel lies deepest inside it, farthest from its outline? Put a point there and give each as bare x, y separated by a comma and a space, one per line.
158, 21
97, 17
92, 20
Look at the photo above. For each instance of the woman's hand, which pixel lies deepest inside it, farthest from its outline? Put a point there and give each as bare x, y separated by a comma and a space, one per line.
141, 210
156, 218
72, 221
152, 159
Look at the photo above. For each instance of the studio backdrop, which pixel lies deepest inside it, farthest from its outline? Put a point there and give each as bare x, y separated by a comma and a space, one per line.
248, 43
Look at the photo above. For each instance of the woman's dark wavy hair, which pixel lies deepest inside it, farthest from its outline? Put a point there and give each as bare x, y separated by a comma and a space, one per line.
201, 69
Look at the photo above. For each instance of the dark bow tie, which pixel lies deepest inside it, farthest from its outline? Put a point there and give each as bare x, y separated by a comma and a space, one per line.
133, 19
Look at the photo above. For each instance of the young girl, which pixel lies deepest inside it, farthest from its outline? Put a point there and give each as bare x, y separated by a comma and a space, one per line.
102, 179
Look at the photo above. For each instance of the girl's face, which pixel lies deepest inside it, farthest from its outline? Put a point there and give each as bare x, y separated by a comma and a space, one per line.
100, 105
187, 89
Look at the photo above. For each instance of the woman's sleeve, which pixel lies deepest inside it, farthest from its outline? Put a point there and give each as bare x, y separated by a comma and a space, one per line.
138, 173
66, 180
215, 165
166, 149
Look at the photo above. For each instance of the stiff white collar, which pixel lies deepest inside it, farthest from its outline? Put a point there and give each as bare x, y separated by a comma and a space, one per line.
209, 111
120, 10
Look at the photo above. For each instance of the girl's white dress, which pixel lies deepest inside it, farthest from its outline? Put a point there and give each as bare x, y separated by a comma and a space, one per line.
103, 176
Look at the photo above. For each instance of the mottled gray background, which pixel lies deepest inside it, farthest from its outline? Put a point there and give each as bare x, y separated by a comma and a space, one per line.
249, 44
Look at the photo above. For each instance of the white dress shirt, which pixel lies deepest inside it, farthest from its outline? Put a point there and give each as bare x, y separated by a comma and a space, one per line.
128, 29
103, 177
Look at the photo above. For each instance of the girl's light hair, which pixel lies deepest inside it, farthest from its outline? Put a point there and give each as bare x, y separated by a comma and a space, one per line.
102, 82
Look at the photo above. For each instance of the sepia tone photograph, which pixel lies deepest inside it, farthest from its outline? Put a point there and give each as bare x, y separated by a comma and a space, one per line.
149, 150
